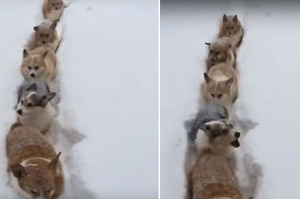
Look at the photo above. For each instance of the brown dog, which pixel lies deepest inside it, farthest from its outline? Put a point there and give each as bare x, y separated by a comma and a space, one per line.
34, 165
231, 27
53, 9
212, 177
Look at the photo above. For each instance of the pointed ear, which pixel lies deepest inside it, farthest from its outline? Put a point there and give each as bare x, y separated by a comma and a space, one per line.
25, 53
228, 82
235, 19
225, 18
53, 163
49, 96
207, 78
18, 170
32, 87
36, 28
53, 25
207, 43
45, 54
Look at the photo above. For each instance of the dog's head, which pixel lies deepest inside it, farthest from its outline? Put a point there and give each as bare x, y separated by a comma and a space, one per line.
221, 134
32, 102
55, 4
218, 52
33, 67
230, 26
45, 34
37, 179
217, 91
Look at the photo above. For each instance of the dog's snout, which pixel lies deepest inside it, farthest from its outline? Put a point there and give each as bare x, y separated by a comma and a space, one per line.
19, 111
237, 134
32, 75
43, 42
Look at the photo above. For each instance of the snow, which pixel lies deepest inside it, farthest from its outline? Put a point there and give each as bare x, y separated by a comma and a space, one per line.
109, 90
269, 75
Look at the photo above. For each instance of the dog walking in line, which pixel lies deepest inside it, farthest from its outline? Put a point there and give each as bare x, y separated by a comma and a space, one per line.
231, 27
33, 164
211, 176
53, 9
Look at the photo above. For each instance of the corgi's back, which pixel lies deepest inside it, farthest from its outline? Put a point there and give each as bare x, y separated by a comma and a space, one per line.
212, 177
22, 140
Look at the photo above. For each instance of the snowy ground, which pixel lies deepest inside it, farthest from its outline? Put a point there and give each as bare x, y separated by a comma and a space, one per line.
109, 82
269, 87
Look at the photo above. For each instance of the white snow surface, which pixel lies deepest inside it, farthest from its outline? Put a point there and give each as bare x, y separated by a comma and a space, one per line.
109, 90
269, 82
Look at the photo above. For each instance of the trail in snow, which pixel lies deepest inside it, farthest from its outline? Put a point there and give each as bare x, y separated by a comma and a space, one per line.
108, 82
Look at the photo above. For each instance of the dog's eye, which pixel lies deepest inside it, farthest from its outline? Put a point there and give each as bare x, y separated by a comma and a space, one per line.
29, 67
217, 52
219, 95
53, 4
211, 51
213, 95
227, 27
232, 28
41, 35
22, 102
36, 67
47, 35
224, 131
29, 105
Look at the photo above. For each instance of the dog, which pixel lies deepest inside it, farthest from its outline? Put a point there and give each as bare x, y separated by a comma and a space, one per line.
40, 63
33, 165
44, 35
53, 9
40, 87
221, 51
221, 86
211, 176
35, 110
231, 27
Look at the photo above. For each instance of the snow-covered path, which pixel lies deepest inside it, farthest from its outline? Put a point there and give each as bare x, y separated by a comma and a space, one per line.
269, 87
109, 80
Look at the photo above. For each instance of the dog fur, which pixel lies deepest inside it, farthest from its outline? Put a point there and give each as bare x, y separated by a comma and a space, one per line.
33, 164
44, 35
221, 86
211, 175
231, 27
53, 9
221, 51
40, 63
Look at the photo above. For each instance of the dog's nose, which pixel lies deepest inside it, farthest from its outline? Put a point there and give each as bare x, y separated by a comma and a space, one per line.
43, 42
32, 75
237, 134
20, 111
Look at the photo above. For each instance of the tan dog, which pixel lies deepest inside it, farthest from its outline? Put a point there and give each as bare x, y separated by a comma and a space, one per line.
212, 177
221, 86
53, 9
44, 35
231, 27
40, 63
221, 51
33, 164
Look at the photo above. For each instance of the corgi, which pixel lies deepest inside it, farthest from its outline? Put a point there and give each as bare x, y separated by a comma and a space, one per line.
44, 35
53, 9
211, 176
221, 86
40, 63
33, 165
221, 51
40, 87
231, 27
35, 110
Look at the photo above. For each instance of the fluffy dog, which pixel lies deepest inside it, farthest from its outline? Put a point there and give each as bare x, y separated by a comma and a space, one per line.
231, 27
40, 63
35, 169
221, 86
53, 9
211, 175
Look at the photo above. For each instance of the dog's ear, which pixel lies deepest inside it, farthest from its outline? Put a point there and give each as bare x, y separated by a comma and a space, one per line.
18, 170
32, 87
25, 53
225, 18
235, 19
53, 164
49, 96
45, 54
36, 28
53, 25
207, 78
206, 43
